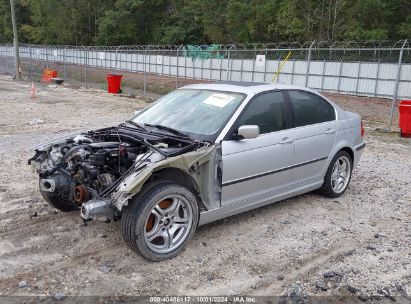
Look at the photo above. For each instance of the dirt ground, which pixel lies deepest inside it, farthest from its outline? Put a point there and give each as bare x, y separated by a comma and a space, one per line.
357, 247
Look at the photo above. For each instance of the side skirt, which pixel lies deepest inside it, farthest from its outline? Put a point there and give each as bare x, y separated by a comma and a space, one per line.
229, 210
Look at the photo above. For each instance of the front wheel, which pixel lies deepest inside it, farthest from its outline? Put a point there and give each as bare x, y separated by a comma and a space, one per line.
160, 220
338, 175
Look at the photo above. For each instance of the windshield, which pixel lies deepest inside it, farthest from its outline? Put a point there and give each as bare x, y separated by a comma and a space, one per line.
199, 113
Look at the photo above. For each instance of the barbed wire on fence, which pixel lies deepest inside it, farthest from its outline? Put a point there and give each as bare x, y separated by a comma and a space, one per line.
368, 44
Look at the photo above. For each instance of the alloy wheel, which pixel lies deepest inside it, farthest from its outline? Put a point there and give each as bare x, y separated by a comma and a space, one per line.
168, 224
340, 175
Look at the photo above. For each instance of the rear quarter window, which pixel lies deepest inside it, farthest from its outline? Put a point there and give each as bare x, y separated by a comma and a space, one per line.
327, 110
309, 109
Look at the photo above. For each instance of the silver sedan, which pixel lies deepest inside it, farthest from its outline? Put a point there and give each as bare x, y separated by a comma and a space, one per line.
199, 154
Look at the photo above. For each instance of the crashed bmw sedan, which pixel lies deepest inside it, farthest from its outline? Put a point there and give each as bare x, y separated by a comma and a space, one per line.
199, 154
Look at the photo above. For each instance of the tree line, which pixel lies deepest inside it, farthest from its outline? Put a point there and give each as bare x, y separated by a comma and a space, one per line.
121, 22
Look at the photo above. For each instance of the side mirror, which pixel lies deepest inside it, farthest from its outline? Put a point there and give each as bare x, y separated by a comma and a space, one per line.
248, 131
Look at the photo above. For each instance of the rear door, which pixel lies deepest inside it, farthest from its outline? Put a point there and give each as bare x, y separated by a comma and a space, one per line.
314, 131
254, 169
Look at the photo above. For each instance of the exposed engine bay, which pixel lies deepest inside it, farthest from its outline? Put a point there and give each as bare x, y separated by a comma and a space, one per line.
88, 167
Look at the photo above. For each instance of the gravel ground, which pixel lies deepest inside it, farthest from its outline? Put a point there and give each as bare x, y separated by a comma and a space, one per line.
357, 247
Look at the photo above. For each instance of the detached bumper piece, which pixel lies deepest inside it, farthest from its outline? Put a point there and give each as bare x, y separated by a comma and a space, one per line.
361, 147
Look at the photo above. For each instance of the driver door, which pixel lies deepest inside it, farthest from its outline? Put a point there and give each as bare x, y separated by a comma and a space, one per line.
258, 168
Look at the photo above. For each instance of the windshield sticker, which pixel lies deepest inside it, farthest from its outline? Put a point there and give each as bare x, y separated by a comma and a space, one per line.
219, 100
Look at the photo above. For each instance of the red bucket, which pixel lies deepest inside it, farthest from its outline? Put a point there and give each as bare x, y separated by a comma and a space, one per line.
114, 83
405, 117
48, 75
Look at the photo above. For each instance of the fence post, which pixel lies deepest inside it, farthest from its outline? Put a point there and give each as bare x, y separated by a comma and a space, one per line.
241, 68
252, 73
115, 59
1, 58
162, 61
340, 75
292, 72
177, 67
265, 64
376, 77
7, 59
308, 64
4, 51
202, 68
64, 63
85, 67
323, 75
221, 67
145, 72
278, 69
358, 77
211, 66
397, 80
228, 63
47, 57
31, 63
185, 66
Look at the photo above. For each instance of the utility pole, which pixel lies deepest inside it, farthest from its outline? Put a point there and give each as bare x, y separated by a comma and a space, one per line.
16, 41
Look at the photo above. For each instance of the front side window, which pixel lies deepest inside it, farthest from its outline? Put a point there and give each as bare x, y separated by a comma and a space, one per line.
266, 111
199, 113
309, 109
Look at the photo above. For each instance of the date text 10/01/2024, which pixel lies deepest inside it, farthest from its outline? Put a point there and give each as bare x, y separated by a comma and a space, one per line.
203, 299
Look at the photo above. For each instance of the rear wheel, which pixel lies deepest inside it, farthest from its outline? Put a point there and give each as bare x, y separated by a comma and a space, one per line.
338, 175
160, 220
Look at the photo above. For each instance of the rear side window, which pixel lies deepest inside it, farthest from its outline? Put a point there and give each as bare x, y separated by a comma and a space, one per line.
309, 109
266, 111
327, 110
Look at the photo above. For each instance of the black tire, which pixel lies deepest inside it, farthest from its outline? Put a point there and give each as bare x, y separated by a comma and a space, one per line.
57, 202
136, 214
327, 189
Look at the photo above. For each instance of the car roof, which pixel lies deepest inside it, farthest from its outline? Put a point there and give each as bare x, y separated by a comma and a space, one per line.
249, 88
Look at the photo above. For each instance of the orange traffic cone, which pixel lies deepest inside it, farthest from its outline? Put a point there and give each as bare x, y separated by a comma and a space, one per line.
33, 91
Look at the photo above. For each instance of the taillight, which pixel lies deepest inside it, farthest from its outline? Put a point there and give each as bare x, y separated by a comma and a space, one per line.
362, 129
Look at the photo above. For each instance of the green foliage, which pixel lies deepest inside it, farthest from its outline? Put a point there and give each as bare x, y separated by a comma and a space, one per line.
119, 22
65, 22
22, 16
6, 34
404, 28
379, 20
130, 22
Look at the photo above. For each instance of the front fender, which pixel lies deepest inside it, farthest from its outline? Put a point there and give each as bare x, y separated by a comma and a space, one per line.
134, 182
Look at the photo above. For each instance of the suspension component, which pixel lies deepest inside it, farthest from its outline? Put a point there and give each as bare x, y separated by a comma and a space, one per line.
81, 194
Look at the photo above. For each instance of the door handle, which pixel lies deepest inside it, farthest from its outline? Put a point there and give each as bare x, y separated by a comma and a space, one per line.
287, 140
330, 131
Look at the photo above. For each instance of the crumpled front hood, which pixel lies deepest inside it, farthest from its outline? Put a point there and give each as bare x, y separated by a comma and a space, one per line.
46, 145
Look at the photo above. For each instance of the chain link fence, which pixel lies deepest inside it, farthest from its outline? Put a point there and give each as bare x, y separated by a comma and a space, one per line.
372, 69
